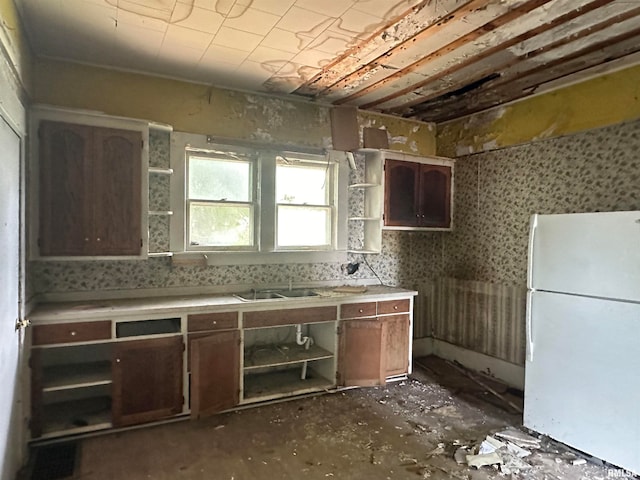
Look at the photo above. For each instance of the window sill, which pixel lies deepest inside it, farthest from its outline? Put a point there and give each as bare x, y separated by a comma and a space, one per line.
204, 259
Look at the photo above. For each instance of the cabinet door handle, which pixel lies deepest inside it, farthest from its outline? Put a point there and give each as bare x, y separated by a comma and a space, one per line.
395, 307
117, 360
214, 322
360, 310
73, 333
86, 239
98, 239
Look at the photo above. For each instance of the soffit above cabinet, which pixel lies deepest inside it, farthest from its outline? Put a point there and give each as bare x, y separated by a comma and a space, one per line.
431, 59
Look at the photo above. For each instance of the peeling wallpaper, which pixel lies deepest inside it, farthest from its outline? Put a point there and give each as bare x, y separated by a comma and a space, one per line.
605, 100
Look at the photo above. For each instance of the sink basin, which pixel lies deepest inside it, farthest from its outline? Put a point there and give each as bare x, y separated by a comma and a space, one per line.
275, 294
257, 295
301, 292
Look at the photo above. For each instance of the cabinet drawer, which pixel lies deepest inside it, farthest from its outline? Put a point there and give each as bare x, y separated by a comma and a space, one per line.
71, 332
212, 321
290, 316
355, 310
393, 306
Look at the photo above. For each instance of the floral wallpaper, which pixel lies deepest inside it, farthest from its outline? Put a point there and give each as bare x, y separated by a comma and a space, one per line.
393, 265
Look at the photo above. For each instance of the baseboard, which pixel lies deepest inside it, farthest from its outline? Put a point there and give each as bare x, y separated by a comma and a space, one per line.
509, 373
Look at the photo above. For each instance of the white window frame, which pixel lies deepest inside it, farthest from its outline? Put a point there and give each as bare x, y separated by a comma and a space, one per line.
266, 251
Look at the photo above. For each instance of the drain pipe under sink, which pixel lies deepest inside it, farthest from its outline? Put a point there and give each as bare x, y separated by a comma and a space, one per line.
306, 341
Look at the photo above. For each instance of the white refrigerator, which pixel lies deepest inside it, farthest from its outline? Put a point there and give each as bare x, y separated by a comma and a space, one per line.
582, 373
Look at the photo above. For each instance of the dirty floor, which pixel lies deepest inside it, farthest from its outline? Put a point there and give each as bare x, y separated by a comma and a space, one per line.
406, 430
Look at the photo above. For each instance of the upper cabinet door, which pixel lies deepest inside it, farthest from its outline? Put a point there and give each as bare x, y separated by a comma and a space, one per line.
435, 196
117, 180
65, 188
418, 194
401, 193
90, 190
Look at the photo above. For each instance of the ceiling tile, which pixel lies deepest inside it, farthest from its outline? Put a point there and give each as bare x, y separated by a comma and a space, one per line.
332, 42
230, 37
136, 39
285, 40
384, 8
312, 58
186, 37
201, 19
250, 20
330, 8
220, 73
251, 75
220, 6
218, 53
266, 54
180, 54
304, 21
277, 7
140, 21
356, 23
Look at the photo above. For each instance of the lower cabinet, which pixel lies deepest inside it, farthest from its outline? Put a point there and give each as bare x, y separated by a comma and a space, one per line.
95, 375
361, 358
147, 380
215, 372
396, 344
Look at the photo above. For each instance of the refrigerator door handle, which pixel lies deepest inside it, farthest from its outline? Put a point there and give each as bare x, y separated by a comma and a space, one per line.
532, 234
529, 326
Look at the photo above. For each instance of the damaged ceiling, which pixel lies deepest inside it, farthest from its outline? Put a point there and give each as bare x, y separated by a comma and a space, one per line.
433, 60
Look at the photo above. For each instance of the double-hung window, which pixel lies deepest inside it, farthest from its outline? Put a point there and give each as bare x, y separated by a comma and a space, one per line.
305, 204
220, 203
236, 204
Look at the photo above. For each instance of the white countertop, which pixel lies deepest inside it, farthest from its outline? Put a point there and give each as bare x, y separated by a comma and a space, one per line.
106, 309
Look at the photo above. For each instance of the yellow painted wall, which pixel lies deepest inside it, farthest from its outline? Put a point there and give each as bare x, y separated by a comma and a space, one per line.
207, 110
598, 102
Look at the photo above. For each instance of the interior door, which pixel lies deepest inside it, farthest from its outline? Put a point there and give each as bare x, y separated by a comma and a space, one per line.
11, 440
362, 358
147, 380
215, 373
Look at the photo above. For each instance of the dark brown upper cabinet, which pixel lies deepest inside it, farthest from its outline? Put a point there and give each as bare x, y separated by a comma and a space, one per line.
90, 190
417, 195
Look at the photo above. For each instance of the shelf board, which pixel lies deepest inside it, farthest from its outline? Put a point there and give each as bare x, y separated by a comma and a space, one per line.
285, 354
364, 185
363, 251
366, 219
65, 377
76, 416
266, 386
160, 254
160, 212
161, 171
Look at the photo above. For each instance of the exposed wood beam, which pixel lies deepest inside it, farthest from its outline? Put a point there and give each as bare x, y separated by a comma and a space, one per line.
417, 24
575, 13
491, 25
609, 50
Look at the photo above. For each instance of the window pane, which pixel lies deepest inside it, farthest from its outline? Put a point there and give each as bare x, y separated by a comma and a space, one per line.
220, 225
215, 179
303, 226
302, 184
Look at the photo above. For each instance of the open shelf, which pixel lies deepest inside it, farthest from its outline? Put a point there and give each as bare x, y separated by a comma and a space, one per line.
286, 354
269, 385
76, 416
160, 212
363, 251
160, 254
64, 377
365, 219
364, 185
161, 171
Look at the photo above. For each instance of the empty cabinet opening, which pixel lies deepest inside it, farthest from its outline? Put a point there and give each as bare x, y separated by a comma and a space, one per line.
148, 327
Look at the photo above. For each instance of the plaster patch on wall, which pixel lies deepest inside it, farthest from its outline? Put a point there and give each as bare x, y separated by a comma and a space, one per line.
399, 139
262, 136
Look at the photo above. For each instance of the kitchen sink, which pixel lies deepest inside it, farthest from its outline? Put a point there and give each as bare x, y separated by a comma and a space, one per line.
300, 292
275, 294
